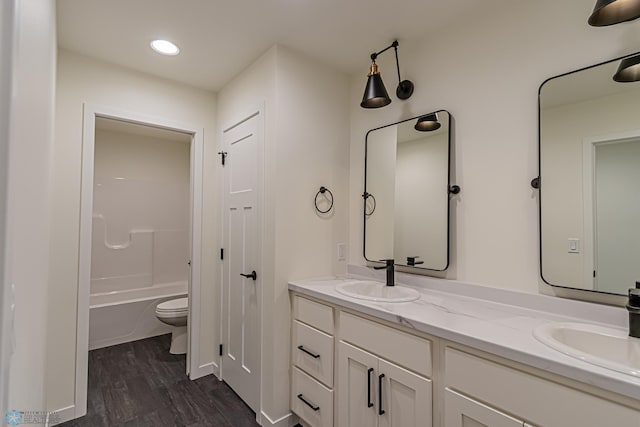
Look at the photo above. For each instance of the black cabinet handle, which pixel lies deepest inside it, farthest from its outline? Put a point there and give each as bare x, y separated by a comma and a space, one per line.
309, 404
369, 402
253, 275
309, 352
380, 410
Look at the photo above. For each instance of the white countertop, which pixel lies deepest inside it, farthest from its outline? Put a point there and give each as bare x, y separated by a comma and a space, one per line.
501, 322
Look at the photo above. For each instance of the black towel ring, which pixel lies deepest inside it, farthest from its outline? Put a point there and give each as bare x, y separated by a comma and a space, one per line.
315, 201
365, 196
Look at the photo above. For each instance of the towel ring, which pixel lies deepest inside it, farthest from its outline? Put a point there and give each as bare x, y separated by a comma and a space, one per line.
365, 196
315, 201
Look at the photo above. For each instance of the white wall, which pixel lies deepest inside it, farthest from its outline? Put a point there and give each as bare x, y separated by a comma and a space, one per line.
381, 183
6, 68
485, 69
81, 79
421, 199
565, 129
305, 148
31, 143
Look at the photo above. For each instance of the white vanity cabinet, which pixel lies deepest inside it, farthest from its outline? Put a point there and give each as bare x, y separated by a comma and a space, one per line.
351, 370
312, 355
382, 376
481, 392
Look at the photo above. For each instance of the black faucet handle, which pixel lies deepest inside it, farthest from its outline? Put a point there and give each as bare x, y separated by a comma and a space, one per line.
388, 263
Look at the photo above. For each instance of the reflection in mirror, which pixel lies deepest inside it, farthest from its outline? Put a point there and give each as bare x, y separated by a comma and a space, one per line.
590, 180
406, 200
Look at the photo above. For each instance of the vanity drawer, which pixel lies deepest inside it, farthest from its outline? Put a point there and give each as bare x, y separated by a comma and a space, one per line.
313, 313
309, 343
310, 400
409, 351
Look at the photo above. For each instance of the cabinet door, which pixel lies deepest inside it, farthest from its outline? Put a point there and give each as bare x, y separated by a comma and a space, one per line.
460, 411
356, 392
406, 397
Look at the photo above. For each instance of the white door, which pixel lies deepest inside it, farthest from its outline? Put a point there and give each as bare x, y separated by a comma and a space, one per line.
460, 411
406, 397
357, 387
240, 334
617, 203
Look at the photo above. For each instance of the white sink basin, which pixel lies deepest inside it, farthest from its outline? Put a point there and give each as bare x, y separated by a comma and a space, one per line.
376, 291
606, 347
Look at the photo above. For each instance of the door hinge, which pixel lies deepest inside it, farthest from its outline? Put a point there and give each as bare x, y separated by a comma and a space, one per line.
594, 273
224, 156
220, 349
221, 253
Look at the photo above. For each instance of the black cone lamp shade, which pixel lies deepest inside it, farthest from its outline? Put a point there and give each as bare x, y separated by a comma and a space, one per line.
375, 94
628, 70
610, 12
427, 123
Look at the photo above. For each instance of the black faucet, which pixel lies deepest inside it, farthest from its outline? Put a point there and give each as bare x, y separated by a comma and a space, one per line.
391, 281
633, 307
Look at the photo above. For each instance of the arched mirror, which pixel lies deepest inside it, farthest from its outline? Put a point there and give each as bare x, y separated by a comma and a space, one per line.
406, 194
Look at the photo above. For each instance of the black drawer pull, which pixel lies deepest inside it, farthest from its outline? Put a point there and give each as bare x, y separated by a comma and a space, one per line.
369, 402
309, 352
309, 404
380, 410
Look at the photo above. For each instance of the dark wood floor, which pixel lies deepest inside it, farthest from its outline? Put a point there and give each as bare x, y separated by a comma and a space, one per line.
141, 384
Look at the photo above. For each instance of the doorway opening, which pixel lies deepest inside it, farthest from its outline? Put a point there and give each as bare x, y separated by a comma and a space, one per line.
140, 234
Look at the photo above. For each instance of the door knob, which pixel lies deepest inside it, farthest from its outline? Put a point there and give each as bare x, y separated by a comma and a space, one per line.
253, 275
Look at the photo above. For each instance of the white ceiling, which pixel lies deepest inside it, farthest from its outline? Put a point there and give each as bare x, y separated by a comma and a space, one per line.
219, 38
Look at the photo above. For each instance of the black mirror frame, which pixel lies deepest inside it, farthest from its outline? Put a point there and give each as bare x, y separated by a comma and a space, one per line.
538, 180
448, 190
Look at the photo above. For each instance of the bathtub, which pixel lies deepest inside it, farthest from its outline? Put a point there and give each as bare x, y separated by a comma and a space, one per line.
121, 316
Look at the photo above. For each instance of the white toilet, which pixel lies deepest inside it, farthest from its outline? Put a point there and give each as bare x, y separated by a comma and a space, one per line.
175, 312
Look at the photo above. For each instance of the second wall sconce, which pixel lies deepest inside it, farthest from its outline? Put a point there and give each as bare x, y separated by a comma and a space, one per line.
610, 12
375, 94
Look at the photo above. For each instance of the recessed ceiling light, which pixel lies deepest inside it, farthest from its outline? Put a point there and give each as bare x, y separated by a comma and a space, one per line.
165, 47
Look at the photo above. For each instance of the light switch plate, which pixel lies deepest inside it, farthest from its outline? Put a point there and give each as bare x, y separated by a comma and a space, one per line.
573, 246
342, 251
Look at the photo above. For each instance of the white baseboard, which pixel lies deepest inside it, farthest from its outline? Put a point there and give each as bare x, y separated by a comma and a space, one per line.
289, 420
60, 416
204, 370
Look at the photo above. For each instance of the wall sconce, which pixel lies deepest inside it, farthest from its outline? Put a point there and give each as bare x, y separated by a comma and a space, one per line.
628, 70
427, 123
375, 94
610, 12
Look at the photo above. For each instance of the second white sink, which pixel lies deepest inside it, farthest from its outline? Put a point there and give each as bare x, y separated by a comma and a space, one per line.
376, 291
606, 347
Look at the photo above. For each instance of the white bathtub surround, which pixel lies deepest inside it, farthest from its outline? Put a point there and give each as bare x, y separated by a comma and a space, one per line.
496, 321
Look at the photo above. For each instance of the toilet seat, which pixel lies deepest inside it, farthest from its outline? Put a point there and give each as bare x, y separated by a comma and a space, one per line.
176, 307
